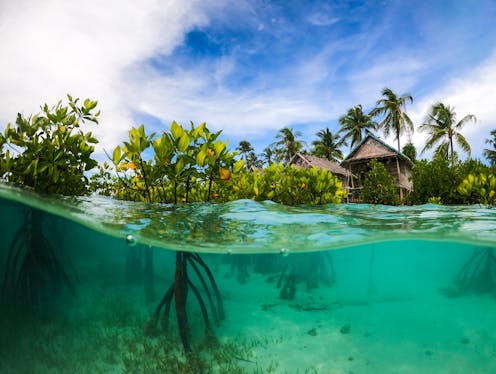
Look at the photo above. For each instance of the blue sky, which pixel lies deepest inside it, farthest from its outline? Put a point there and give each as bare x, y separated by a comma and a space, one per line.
249, 68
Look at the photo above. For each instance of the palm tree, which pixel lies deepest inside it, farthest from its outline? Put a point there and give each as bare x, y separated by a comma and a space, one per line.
248, 155
490, 154
442, 127
267, 155
354, 123
288, 144
245, 148
396, 121
327, 146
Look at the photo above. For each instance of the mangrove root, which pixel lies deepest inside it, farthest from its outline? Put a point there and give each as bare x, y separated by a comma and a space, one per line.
311, 268
178, 292
35, 275
478, 274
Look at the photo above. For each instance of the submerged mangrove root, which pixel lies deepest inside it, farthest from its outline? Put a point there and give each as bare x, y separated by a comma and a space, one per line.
239, 267
134, 265
178, 292
139, 269
311, 268
371, 287
478, 274
34, 275
288, 290
149, 276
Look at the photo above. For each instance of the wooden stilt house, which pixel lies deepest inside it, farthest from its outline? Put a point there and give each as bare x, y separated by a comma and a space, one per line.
309, 161
370, 148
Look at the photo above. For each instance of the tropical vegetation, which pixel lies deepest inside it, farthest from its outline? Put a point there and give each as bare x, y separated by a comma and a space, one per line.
444, 129
354, 124
378, 186
328, 146
50, 153
287, 145
396, 120
490, 153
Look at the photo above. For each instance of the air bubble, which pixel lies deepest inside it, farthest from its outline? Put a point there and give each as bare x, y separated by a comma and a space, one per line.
130, 240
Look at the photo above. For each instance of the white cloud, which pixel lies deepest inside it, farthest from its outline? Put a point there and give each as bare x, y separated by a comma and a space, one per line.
321, 19
102, 50
397, 71
472, 93
55, 47
248, 112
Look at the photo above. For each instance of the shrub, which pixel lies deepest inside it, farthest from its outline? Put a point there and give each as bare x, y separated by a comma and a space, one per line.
479, 188
378, 186
52, 153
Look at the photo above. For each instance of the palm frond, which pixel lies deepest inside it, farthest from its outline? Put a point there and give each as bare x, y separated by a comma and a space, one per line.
462, 143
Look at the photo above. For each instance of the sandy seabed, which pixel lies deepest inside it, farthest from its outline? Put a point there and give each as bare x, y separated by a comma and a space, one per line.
329, 329
325, 331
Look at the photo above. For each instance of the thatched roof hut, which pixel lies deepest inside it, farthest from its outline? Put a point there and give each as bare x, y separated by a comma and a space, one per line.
308, 161
370, 148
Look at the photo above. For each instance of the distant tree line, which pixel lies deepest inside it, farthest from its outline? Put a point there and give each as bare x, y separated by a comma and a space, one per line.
50, 153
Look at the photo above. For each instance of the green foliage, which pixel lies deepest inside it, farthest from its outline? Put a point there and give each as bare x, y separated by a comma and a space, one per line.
437, 178
327, 146
290, 186
432, 179
49, 151
248, 155
434, 200
489, 153
268, 156
395, 120
287, 145
103, 181
378, 186
443, 129
410, 151
187, 165
480, 188
354, 124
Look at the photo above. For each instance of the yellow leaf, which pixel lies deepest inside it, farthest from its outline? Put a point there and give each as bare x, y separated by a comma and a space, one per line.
129, 165
225, 174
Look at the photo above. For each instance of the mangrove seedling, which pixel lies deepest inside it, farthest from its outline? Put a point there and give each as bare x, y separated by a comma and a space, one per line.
50, 155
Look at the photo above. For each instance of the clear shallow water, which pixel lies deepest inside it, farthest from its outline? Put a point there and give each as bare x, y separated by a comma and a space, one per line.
246, 226
390, 297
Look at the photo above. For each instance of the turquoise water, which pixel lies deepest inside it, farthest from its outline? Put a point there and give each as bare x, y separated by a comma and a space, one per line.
331, 289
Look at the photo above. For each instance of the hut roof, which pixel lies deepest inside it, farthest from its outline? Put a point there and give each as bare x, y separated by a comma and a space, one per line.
309, 161
372, 147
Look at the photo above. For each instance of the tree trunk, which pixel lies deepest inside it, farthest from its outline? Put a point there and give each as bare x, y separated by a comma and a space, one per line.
399, 177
